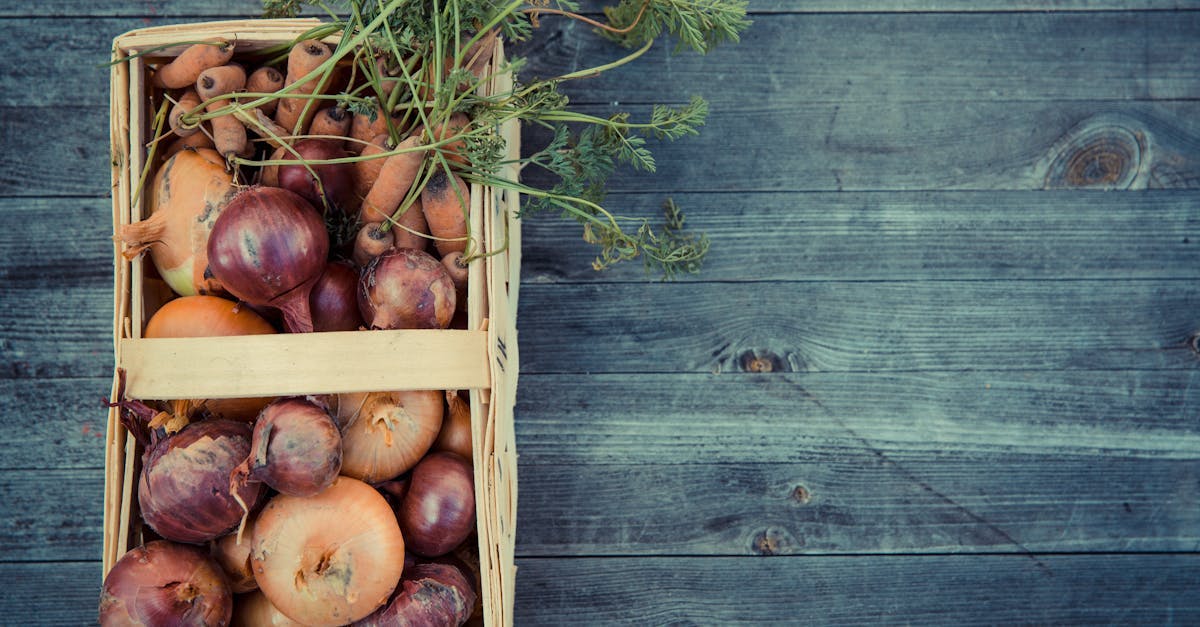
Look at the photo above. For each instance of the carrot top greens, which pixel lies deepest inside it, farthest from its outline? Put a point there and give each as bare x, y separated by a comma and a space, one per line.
422, 59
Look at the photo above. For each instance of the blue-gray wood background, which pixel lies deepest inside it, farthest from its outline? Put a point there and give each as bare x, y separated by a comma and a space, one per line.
940, 368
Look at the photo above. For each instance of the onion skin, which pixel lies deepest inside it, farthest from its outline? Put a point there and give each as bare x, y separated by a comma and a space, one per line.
163, 583
255, 610
455, 435
184, 491
438, 512
329, 559
296, 448
268, 247
336, 179
234, 559
405, 288
385, 434
430, 595
334, 299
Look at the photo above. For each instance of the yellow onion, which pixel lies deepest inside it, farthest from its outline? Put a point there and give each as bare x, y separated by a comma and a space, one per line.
384, 434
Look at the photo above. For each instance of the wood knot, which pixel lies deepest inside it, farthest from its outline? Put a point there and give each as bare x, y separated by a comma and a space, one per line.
801, 495
1100, 153
762, 361
772, 541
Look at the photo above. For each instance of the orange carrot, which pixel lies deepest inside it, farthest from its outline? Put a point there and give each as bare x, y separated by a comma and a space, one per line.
331, 121
364, 129
304, 57
395, 178
458, 271
186, 68
415, 231
189, 101
366, 171
229, 135
444, 201
371, 242
265, 80
456, 124
269, 175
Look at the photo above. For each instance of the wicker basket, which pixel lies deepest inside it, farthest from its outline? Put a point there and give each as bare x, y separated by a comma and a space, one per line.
481, 359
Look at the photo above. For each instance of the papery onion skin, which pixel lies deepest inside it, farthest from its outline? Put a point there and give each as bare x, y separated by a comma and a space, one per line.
296, 447
438, 512
329, 559
164, 583
254, 609
268, 247
334, 299
429, 595
234, 558
385, 434
405, 288
455, 435
184, 490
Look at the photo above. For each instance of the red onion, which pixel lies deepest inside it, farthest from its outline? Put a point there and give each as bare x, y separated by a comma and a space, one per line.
184, 490
334, 299
438, 512
336, 179
405, 288
268, 247
429, 595
163, 583
297, 448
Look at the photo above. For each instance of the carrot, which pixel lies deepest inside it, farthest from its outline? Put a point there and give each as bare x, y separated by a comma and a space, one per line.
365, 129
269, 175
186, 68
370, 243
395, 178
415, 231
189, 101
446, 212
265, 80
331, 121
458, 271
366, 171
304, 57
456, 124
229, 135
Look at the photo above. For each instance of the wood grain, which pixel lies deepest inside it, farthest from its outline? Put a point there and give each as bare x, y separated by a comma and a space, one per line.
935, 590
788, 59
51, 515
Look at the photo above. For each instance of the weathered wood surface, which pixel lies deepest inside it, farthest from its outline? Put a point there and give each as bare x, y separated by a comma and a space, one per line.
938, 392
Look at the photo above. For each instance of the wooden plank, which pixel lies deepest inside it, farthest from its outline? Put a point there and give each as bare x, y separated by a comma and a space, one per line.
67, 434
51, 593
783, 59
51, 514
796, 147
252, 8
829, 326
858, 326
934, 590
788, 418
858, 501
899, 235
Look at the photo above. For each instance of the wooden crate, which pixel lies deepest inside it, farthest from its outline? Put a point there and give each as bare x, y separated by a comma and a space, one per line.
482, 359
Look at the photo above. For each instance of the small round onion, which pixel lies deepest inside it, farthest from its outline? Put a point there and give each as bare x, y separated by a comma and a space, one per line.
456, 428
163, 583
329, 559
429, 594
234, 558
336, 179
297, 448
384, 434
334, 299
184, 490
268, 247
405, 288
438, 512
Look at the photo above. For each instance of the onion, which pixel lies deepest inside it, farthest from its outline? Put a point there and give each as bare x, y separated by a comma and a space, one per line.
384, 434
163, 583
184, 490
232, 554
268, 247
329, 559
189, 192
455, 435
336, 185
255, 610
296, 449
405, 288
438, 512
431, 595
212, 316
334, 299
